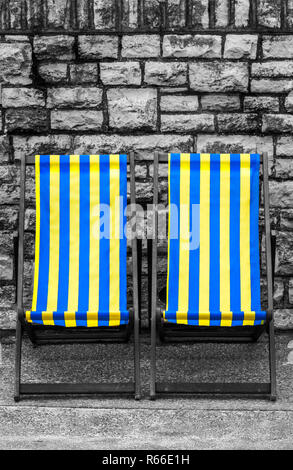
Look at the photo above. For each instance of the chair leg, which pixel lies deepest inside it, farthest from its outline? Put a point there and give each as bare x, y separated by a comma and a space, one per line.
136, 358
272, 360
153, 357
19, 331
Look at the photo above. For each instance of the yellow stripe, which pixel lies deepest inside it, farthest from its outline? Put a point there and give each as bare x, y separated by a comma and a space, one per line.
74, 243
92, 315
204, 249
54, 240
245, 238
226, 318
183, 287
169, 222
37, 241
114, 300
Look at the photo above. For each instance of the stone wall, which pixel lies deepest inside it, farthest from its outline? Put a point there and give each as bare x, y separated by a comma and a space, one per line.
82, 76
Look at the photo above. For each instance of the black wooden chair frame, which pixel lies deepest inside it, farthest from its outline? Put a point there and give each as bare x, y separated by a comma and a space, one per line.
40, 334
162, 331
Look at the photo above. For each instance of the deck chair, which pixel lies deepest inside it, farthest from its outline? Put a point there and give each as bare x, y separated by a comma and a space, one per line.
80, 279
213, 278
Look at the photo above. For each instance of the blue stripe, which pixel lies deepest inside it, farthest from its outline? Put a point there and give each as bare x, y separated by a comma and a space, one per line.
254, 233
235, 289
64, 224
84, 238
104, 240
174, 236
193, 300
215, 239
44, 252
123, 241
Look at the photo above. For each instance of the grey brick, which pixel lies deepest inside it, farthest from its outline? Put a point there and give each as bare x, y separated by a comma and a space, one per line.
265, 85
120, 73
208, 46
98, 47
38, 145
78, 97
16, 63
132, 108
165, 73
218, 76
261, 104
221, 11
187, 122
58, 47
272, 68
280, 47
220, 102
83, 73
233, 122
53, 73
34, 119
22, 97
6, 268
77, 120
242, 12
269, 13
284, 146
240, 46
277, 123
141, 45
179, 103
289, 102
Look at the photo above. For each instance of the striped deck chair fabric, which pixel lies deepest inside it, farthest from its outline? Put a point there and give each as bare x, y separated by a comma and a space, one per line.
213, 248
80, 250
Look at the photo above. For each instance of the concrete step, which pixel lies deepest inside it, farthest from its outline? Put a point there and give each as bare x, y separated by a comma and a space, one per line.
176, 423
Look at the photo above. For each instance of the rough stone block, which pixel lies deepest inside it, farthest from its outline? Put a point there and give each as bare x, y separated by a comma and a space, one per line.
6, 268
278, 290
281, 195
237, 122
22, 97
269, 13
280, 47
179, 103
83, 73
41, 145
286, 219
5, 150
7, 296
16, 63
130, 14
120, 73
104, 14
57, 47
261, 104
141, 45
277, 123
187, 122
284, 168
218, 76
242, 13
26, 120
199, 45
8, 218
242, 46
58, 15
272, 68
220, 103
221, 13
284, 146
53, 73
283, 318
199, 13
265, 85
132, 108
165, 73
98, 47
77, 97
176, 12
284, 246
77, 120
289, 102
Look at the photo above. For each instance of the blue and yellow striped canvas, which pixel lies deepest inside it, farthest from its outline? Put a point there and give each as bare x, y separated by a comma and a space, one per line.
80, 250
213, 252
